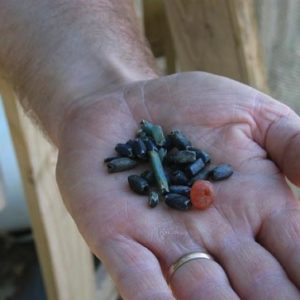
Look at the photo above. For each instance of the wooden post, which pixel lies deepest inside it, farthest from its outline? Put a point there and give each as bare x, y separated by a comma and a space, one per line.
217, 36
158, 32
64, 257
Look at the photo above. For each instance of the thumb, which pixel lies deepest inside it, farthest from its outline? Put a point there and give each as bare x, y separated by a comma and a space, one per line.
278, 129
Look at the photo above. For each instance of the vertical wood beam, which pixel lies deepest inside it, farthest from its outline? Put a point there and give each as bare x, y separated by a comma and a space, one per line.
158, 32
64, 257
217, 36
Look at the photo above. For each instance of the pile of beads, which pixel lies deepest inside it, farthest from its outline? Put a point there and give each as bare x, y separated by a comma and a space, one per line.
180, 174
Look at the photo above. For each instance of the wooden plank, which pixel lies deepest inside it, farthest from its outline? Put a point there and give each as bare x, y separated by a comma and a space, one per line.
64, 257
158, 32
217, 36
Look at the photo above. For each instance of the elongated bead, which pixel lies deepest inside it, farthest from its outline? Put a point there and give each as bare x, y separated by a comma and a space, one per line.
162, 152
150, 145
149, 176
139, 148
120, 164
178, 178
153, 199
158, 170
202, 175
221, 172
129, 143
108, 159
195, 167
155, 131
179, 140
124, 150
180, 189
201, 154
177, 201
169, 144
138, 184
182, 157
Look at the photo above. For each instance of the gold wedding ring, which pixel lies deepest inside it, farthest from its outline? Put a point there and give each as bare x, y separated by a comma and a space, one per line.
184, 259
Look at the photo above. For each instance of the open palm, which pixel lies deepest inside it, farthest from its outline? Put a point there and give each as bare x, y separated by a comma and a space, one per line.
252, 230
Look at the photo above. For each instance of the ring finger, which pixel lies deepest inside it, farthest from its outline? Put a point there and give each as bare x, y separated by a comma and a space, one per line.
201, 279
196, 279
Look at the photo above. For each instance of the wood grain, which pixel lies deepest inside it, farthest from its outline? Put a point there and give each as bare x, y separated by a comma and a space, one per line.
64, 257
217, 36
158, 33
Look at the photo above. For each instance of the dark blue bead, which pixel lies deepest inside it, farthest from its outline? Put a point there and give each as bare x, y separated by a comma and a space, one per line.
178, 201
108, 159
201, 154
153, 199
178, 178
179, 140
120, 164
221, 172
180, 189
138, 184
181, 157
139, 148
194, 168
149, 176
202, 175
124, 150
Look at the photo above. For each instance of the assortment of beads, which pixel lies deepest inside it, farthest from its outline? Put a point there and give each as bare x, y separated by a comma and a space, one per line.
180, 174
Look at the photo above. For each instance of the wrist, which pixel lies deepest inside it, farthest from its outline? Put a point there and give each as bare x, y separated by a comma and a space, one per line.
86, 84
78, 81
69, 51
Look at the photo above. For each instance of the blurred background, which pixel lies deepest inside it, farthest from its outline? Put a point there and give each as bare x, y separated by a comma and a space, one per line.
256, 42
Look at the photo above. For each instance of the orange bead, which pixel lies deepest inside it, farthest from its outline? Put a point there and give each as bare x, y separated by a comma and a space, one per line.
202, 194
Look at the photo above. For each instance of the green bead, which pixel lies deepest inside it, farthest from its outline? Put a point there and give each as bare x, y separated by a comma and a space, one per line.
158, 170
155, 131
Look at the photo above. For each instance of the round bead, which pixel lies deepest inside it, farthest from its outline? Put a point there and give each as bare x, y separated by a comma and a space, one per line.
202, 194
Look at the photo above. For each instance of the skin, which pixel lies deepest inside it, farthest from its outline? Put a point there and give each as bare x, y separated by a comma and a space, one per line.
252, 229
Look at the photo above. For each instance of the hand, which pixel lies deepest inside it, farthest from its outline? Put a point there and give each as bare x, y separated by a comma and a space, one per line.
253, 228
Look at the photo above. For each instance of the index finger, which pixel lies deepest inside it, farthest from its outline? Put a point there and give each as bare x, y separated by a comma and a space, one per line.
135, 270
278, 131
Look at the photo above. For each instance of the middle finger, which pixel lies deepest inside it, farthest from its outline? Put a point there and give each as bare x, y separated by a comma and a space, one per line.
197, 279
